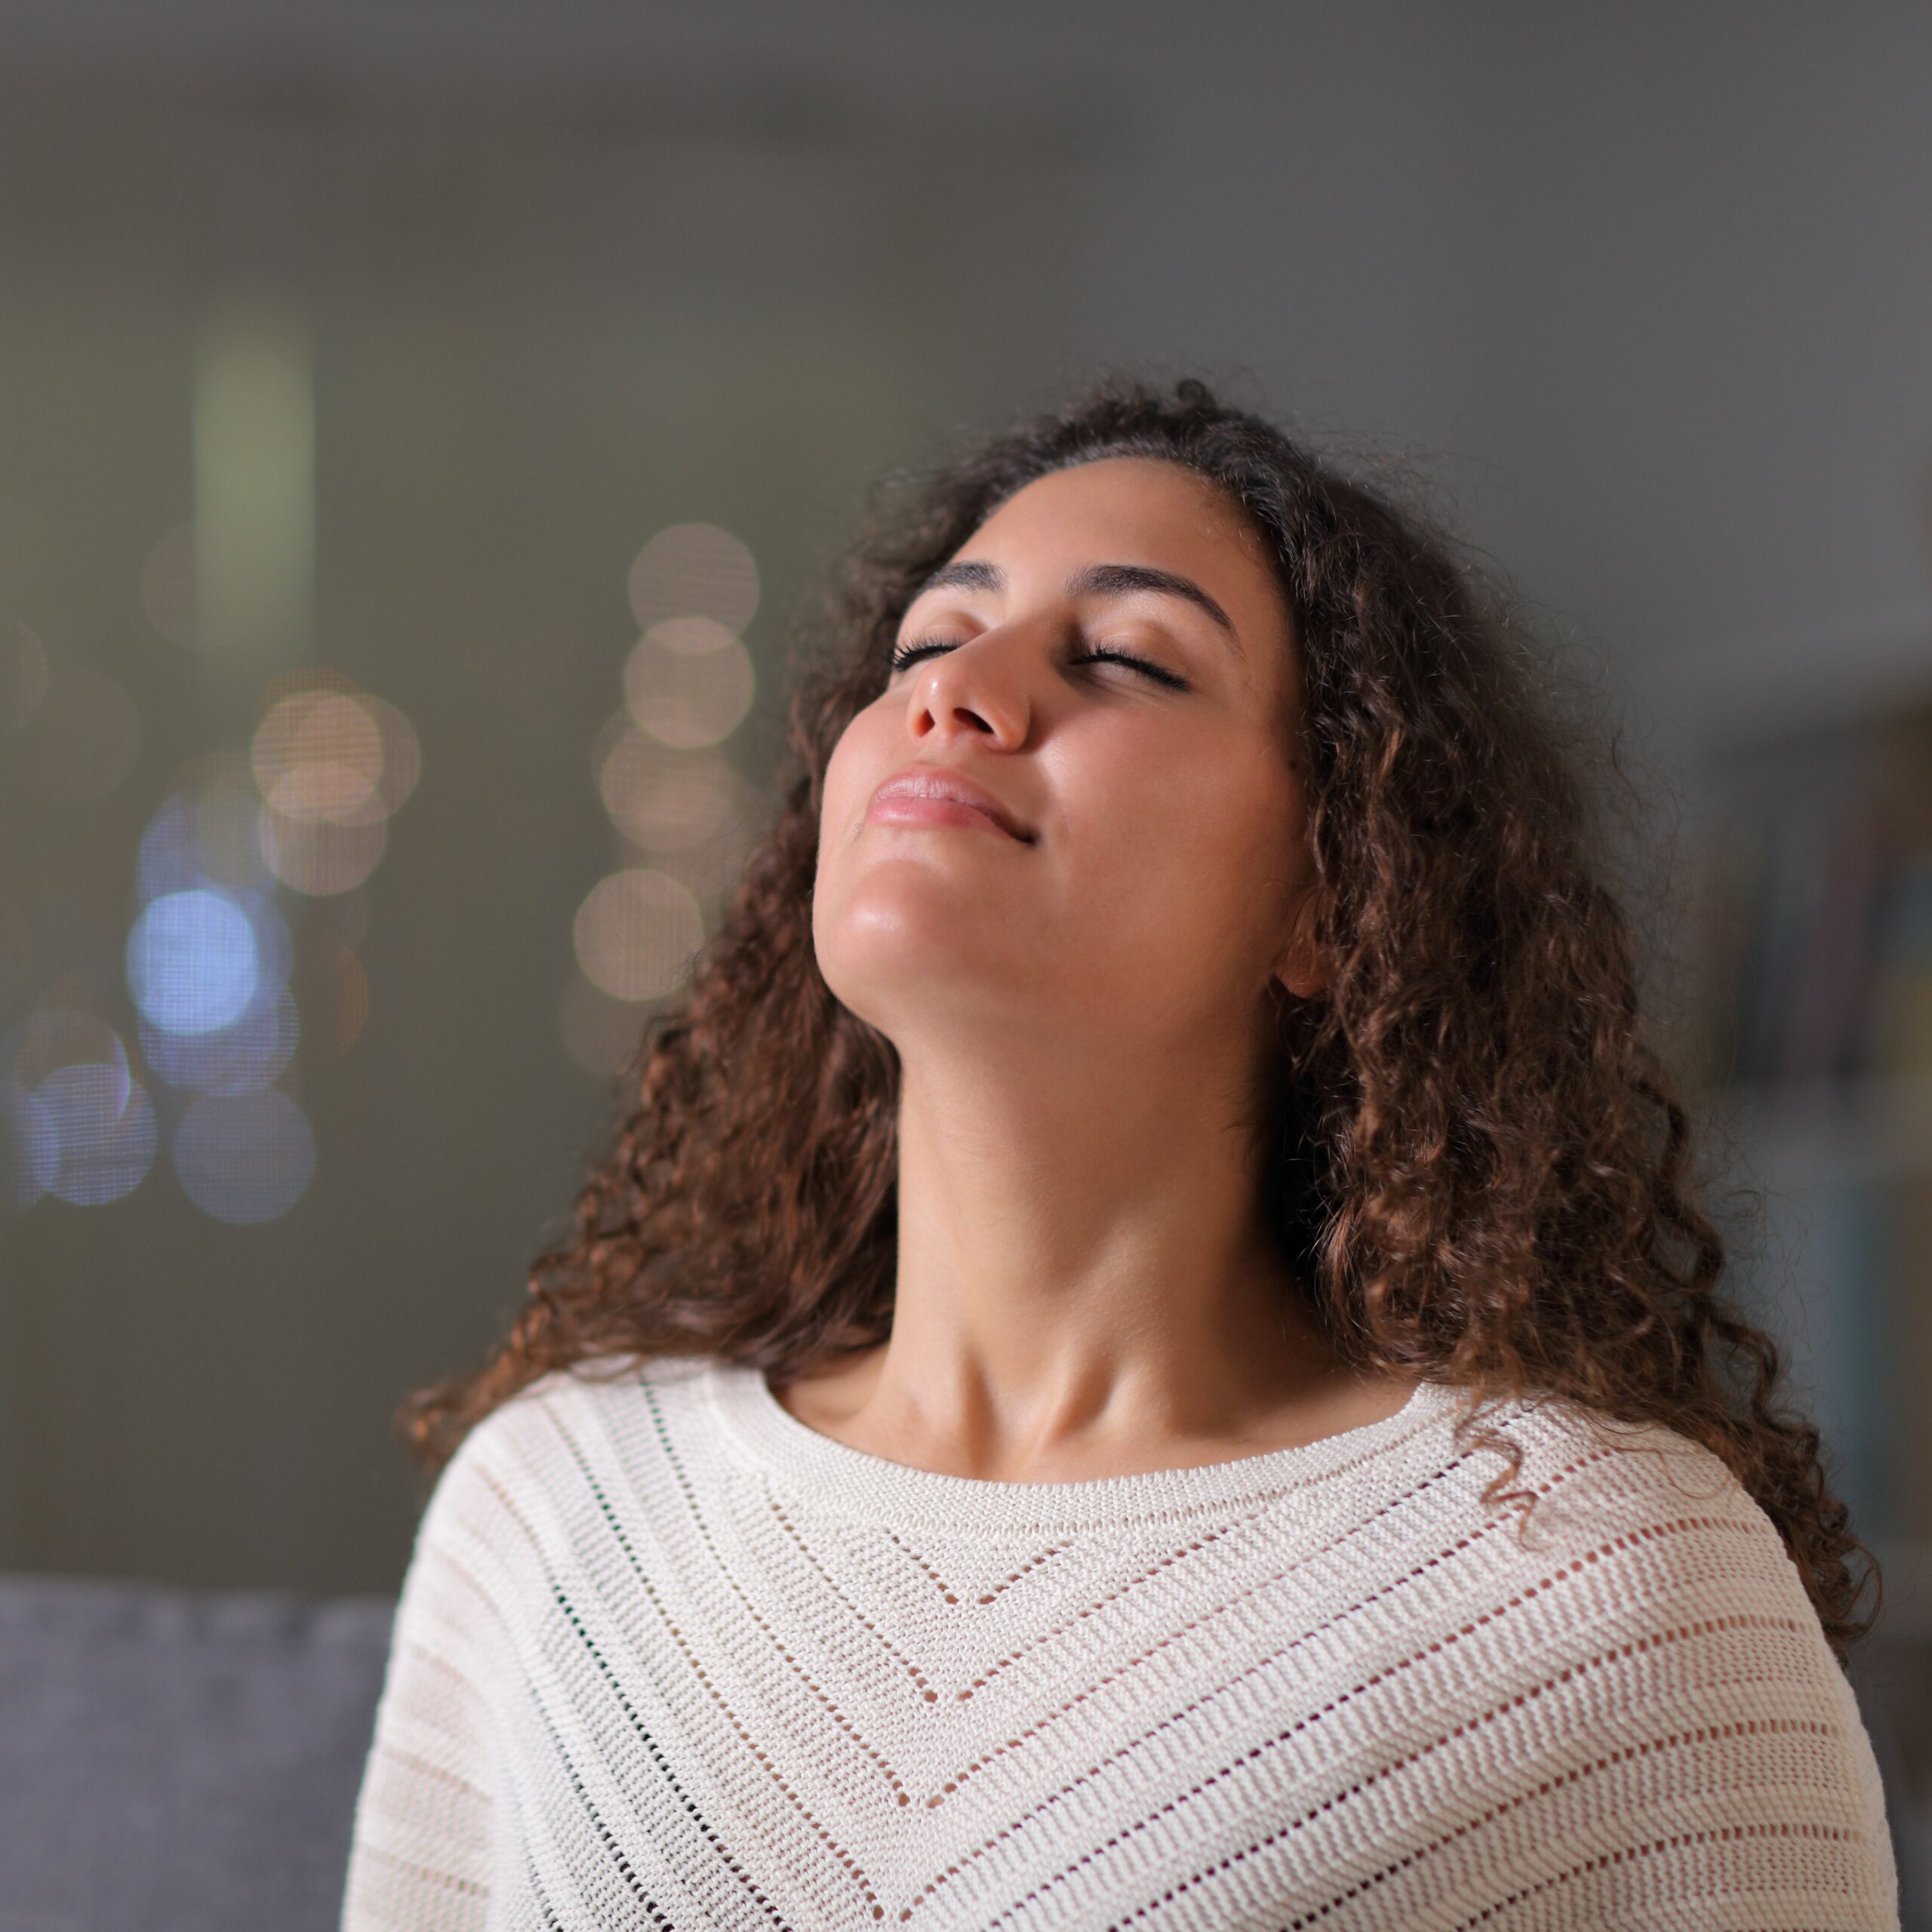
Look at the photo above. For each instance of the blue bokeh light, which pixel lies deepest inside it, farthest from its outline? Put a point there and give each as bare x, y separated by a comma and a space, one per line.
167, 862
244, 1158
248, 1053
194, 840
102, 1127
193, 961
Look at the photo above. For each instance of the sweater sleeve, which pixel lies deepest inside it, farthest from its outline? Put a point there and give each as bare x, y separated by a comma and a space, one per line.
420, 1842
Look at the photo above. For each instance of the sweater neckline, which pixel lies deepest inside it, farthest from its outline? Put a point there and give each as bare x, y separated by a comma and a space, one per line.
797, 1460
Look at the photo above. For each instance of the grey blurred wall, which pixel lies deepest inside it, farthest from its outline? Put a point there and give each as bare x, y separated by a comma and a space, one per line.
1645, 292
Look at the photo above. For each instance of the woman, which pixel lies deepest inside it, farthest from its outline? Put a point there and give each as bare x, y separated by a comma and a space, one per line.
1142, 1358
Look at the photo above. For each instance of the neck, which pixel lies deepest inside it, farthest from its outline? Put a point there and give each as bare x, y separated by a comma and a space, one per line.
1084, 1269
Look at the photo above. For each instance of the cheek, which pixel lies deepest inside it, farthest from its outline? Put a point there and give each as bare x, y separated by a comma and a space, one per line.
1216, 802
854, 767
1185, 845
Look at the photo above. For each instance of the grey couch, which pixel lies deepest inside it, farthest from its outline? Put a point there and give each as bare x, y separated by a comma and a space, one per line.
175, 1761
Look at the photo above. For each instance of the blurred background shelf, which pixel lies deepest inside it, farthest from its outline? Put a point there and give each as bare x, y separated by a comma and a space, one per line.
1810, 1026
1820, 1132
1812, 1030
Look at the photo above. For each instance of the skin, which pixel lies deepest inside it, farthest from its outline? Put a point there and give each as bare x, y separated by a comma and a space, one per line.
1085, 1286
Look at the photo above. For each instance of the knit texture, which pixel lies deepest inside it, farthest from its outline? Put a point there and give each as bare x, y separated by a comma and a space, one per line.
666, 1657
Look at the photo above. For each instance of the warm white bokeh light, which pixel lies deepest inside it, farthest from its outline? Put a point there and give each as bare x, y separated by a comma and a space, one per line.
687, 698
318, 754
317, 857
694, 569
635, 933
662, 800
402, 751
692, 637
331, 762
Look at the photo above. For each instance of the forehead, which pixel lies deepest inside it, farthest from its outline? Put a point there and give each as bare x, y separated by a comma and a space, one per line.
1126, 497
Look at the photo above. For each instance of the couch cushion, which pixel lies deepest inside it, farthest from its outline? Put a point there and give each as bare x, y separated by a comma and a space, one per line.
175, 1760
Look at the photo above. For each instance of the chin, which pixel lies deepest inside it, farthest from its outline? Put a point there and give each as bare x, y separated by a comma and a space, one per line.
899, 977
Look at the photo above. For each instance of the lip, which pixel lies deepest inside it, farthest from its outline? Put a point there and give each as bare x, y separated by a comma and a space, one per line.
905, 792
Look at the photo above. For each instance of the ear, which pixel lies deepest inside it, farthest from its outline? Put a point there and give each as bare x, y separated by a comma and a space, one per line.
1299, 966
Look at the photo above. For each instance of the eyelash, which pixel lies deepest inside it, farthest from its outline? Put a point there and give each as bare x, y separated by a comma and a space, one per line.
906, 653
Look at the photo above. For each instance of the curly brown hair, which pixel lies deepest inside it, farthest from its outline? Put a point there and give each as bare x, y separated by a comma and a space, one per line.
1478, 1167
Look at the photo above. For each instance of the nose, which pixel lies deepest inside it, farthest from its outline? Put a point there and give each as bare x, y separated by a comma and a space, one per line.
974, 689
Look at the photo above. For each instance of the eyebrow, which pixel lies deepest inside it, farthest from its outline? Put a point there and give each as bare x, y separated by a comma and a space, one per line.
1095, 580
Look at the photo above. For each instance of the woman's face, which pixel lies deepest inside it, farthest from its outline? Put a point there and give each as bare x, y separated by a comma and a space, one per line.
1155, 887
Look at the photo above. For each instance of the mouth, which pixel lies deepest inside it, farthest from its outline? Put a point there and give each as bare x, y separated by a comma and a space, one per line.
925, 795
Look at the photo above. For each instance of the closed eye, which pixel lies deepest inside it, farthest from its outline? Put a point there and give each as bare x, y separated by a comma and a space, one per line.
907, 653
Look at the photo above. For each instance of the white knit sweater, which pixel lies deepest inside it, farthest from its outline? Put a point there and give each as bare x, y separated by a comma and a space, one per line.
666, 1657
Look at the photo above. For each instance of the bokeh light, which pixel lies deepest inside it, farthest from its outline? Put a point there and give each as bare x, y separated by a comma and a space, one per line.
247, 1054
82, 1126
209, 958
692, 637
106, 1136
55, 1035
331, 762
204, 833
192, 961
694, 569
318, 754
710, 874
402, 751
83, 738
244, 1158
635, 933
685, 698
326, 749
662, 799
316, 857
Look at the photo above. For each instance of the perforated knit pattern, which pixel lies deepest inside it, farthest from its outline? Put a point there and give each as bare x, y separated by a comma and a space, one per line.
665, 1656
